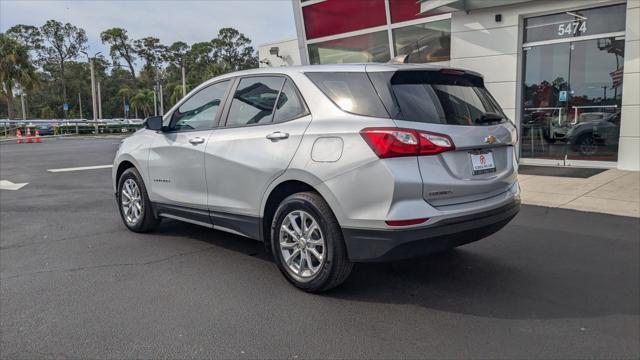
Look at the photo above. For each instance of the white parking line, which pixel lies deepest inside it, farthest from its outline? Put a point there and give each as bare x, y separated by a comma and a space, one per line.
8, 185
80, 168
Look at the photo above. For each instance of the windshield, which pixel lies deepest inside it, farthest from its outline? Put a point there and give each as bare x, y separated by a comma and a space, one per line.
444, 104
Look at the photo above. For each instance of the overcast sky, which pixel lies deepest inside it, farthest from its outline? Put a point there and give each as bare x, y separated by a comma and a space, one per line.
262, 21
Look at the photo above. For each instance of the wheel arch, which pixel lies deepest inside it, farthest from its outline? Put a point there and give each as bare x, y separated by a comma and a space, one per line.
121, 165
289, 184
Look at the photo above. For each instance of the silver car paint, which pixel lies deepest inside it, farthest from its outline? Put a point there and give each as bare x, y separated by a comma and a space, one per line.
362, 190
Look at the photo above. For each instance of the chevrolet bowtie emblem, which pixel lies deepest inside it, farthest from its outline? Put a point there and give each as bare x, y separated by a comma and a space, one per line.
490, 139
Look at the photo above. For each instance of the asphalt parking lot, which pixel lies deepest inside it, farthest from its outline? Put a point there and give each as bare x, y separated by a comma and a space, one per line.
76, 284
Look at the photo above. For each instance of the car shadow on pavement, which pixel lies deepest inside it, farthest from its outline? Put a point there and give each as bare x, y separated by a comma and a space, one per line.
236, 243
466, 282
469, 280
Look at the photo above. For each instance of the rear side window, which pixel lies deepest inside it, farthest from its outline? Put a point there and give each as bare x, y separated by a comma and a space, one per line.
254, 100
289, 105
352, 92
431, 97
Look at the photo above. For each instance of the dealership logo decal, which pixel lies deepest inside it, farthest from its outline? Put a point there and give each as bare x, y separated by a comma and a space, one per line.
490, 139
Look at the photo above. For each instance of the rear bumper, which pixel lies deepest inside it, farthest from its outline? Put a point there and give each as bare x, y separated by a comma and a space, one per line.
364, 245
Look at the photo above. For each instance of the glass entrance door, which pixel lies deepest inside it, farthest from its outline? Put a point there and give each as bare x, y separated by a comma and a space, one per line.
572, 86
595, 99
572, 99
545, 93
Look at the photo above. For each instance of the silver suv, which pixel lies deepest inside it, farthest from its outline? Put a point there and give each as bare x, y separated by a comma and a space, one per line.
328, 165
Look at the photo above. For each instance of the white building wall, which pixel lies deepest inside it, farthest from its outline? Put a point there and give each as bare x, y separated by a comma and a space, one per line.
287, 49
629, 151
494, 49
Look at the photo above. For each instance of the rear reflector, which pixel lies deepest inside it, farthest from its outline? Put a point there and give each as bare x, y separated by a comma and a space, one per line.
397, 142
406, 222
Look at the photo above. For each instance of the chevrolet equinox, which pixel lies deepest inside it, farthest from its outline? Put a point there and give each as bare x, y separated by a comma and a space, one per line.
328, 165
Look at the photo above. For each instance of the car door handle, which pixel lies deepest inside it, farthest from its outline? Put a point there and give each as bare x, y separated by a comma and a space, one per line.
278, 136
196, 140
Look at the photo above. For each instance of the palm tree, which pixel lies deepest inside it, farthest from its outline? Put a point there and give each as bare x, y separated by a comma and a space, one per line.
143, 100
176, 94
15, 68
124, 93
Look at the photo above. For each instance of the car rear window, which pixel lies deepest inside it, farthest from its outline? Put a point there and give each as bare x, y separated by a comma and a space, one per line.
434, 97
352, 92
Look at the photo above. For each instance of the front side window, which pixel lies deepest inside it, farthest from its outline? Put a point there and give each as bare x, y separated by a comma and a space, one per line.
254, 101
199, 111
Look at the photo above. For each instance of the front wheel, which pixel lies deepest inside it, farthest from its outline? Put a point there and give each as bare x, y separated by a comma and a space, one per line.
307, 243
134, 204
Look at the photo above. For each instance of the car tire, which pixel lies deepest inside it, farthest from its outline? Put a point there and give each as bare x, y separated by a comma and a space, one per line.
320, 235
586, 145
138, 215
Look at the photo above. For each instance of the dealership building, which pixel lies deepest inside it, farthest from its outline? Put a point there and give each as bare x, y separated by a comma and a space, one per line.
566, 72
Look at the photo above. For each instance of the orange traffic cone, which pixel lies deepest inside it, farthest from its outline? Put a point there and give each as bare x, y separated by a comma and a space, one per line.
38, 136
29, 139
19, 136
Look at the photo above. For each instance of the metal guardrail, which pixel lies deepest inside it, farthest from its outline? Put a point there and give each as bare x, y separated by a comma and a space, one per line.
55, 128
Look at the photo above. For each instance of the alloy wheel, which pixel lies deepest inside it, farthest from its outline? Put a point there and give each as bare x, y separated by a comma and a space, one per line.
302, 245
131, 201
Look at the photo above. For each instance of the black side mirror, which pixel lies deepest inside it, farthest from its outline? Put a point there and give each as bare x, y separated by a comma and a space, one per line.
153, 123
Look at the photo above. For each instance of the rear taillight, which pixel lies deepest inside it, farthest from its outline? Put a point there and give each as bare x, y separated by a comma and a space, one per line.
397, 142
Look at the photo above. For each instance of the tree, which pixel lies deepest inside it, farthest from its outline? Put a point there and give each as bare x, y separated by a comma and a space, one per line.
62, 42
176, 95
151, 50
120, 47
15, 68
175, 55
233, 49
143, 100
27, 35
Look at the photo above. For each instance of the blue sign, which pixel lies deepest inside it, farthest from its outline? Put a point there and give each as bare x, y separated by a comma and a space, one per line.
65, 107
126, 107
563, 95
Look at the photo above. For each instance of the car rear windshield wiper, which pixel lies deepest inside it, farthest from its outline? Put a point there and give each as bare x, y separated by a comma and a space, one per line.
488, 117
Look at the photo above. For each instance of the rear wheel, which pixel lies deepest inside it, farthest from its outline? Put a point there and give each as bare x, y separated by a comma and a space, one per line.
307, 243
134, 204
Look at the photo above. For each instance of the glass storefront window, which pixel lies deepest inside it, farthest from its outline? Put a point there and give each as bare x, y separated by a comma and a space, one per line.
373, 47
575, 23
423, 43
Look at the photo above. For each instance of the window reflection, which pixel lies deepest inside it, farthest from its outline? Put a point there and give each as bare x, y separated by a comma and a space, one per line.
423, 43
373, 47
254, 100
199, 111
572, 99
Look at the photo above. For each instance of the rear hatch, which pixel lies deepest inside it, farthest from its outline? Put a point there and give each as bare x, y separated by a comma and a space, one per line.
453, 103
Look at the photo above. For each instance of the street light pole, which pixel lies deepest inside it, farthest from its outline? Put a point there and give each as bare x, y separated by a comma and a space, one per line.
99, 101
79, 117
93, 89
24, 111
93, 96
161, 98
155, 103
80, 103
184, 83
